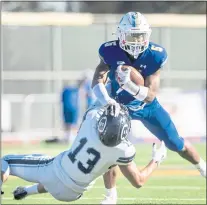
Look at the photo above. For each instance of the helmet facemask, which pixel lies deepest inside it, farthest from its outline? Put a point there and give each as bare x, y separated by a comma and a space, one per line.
133, 33
133, 41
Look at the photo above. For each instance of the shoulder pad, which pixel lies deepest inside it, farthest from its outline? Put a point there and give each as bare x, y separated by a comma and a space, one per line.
159, 54
105, 50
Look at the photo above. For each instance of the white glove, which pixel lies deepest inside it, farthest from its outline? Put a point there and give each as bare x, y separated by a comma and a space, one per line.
160, 154
123, 77
115, 109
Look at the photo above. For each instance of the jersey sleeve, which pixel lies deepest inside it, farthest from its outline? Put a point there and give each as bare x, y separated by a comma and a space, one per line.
160, 56
157, 59
106, 51
127, 155
101, 53
163, 59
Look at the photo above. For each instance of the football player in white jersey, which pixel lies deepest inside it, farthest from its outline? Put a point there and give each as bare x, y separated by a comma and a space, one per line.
100, 144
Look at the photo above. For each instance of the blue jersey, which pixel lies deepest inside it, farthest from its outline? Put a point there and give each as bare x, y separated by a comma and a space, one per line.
153, 116
70, 97
153, 58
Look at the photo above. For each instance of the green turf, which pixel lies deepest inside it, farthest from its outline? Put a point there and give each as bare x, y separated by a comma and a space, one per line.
166, 189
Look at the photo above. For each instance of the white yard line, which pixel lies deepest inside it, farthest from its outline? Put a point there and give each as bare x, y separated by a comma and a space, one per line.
124, 198
159, 187
149, 187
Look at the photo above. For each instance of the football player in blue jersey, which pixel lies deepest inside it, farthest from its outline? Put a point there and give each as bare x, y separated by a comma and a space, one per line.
133, 48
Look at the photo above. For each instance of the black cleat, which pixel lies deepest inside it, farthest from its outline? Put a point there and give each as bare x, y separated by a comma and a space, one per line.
19, 193
2, 192
52, 140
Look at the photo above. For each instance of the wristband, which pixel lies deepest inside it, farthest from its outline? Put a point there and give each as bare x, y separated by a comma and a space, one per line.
138, 91
142, 93
131, 88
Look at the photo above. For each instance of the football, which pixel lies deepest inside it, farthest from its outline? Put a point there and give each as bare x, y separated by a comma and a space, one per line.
135, 75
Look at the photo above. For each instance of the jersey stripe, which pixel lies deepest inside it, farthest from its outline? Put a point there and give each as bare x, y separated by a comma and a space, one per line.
29, 161
126, 160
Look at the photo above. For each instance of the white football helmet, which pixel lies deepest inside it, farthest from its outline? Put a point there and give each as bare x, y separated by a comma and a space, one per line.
133, 33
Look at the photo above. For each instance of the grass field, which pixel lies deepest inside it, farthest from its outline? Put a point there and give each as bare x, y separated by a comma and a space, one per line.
175, 182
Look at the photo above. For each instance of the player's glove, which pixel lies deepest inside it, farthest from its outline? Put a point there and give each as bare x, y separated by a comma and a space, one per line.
159, 154
114, 107
123, 76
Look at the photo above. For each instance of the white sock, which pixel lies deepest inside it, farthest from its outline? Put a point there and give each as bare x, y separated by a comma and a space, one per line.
201, 166
32, 189
69, 136
111, 192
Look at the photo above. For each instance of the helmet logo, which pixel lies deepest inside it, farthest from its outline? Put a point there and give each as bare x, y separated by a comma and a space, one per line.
136, 19
124, 132
102, 124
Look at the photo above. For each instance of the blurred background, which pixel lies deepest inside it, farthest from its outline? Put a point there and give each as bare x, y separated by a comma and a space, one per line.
47, 45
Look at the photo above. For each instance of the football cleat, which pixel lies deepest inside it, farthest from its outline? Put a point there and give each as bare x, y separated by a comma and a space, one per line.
202, 172
2, 192
19, 193
109, 200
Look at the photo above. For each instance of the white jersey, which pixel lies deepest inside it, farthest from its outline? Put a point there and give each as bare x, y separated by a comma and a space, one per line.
88, 158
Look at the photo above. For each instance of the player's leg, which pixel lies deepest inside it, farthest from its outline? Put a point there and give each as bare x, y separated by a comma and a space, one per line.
162, 126
38, 169
27, 167
110, 185
21, 192
70, 118
52, 184
67, 116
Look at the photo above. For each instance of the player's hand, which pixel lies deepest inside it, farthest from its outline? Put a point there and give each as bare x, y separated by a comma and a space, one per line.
113, 107
123, 76
159, 154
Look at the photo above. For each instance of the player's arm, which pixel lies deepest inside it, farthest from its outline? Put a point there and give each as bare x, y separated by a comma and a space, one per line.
100, 74
145, 93
152, 82
135, 176
98, 83
138, 177
99, 89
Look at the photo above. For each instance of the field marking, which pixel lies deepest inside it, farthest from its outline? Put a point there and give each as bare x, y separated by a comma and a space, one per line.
121, 198
159, 187
147, 187
157, 177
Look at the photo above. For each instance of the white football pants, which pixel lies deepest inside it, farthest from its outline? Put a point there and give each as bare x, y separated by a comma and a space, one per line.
38, 169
